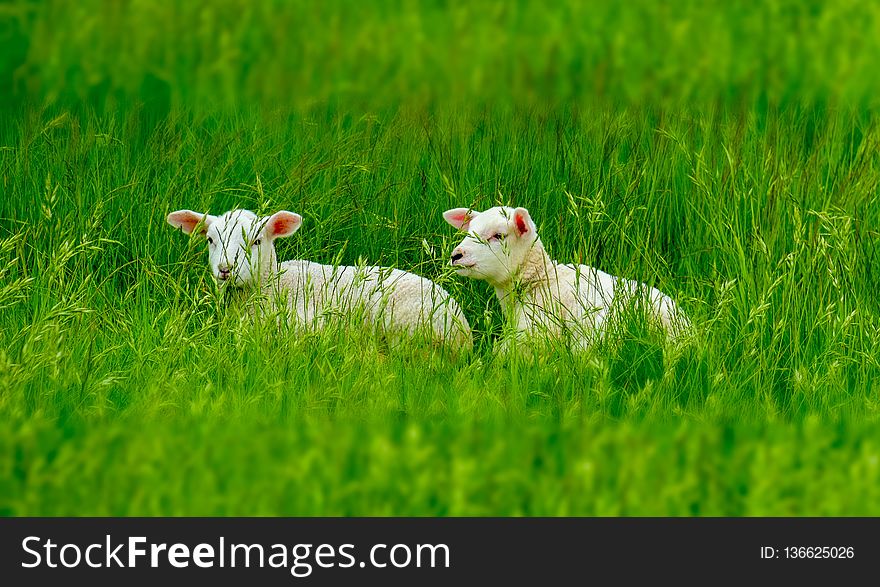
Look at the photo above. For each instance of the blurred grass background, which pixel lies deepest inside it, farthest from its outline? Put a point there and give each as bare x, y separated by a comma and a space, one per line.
298, 53
441, 468
725, 152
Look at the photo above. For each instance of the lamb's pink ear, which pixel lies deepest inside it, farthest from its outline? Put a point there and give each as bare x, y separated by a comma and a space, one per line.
460, 218
281, 224
522, 221
187, 220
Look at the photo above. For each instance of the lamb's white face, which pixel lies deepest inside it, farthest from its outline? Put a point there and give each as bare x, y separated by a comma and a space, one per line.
497, 242
241, 245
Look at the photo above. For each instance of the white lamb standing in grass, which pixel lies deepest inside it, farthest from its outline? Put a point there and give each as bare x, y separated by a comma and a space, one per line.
241, 253
540, 296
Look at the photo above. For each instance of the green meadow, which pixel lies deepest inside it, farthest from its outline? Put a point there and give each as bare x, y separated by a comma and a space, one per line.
726, 153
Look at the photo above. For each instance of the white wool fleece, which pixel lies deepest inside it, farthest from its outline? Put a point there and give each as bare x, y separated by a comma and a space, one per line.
539, 295
241, 253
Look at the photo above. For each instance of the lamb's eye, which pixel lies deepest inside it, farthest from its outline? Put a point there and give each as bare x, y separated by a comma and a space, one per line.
498, 236
210, 241
257, 242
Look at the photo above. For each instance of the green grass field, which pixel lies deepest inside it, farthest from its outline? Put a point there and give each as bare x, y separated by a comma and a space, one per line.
726, 154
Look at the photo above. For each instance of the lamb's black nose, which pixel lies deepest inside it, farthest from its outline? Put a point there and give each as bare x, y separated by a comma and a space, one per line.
456, 257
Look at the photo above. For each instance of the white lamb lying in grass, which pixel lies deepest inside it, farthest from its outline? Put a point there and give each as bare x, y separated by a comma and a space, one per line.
242, 254
542, 298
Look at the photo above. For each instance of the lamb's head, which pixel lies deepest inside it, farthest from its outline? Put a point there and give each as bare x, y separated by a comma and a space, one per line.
241, 245
498, 242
